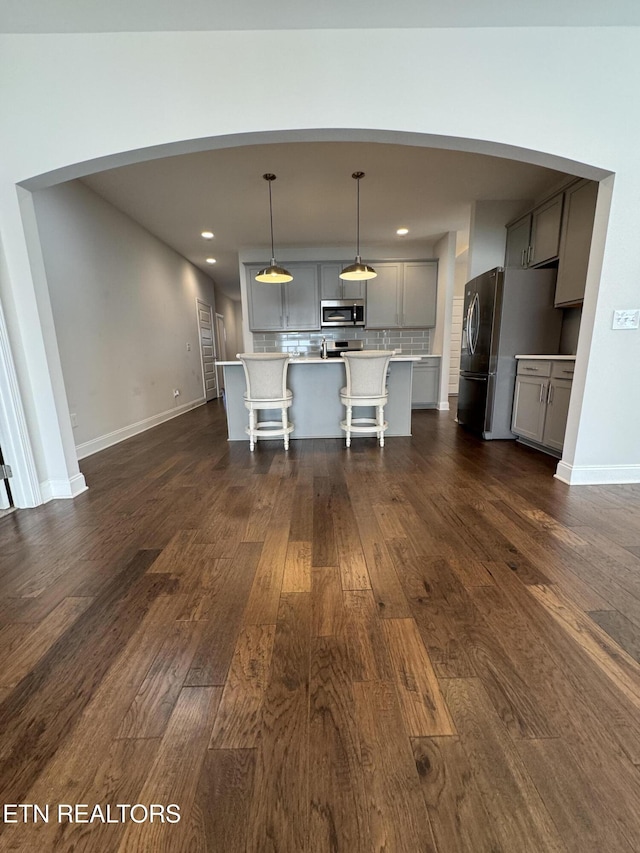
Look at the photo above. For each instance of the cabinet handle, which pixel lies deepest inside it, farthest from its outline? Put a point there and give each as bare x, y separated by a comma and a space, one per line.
529, 254
550, 395
568, 371
542, 392
532, 368
523, 263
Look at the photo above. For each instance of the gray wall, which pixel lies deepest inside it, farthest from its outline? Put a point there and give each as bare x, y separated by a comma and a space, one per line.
124, 308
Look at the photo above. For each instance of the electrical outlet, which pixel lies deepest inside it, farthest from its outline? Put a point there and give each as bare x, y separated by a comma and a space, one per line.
176, 392
188, 347
626, 319
74, 419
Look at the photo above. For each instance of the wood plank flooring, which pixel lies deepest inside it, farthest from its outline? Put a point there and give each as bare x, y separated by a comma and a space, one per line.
429, 648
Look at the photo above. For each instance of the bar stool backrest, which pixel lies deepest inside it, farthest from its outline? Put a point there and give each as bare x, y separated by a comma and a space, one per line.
266, 374
367, 372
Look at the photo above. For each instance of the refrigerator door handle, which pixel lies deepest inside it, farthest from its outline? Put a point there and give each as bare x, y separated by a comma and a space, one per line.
475, 378
474, 323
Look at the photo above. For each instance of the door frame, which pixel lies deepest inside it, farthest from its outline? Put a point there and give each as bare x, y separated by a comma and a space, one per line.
219, 320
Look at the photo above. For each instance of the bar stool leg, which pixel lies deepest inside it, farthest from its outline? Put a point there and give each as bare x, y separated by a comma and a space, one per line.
284, 426
349, 413
381, 425
252, 426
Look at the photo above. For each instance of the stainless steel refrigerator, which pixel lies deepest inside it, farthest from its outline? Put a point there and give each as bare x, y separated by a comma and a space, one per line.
506, 312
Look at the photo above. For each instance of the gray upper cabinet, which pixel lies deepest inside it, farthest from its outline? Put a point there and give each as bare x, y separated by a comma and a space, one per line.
559, 228
419, 295
518, 236
333, 287
284, 307
264, 302
545, 231
403, 295
577, 228
534, 239
383, 297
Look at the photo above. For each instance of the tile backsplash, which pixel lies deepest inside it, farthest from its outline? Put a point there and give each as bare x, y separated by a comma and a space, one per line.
410, 341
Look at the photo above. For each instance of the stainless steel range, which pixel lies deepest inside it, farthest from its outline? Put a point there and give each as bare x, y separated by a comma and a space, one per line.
334, 348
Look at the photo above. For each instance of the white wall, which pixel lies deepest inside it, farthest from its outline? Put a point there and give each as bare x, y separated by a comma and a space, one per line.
445, 252
488, 235
231, 310
124, 308
74, 98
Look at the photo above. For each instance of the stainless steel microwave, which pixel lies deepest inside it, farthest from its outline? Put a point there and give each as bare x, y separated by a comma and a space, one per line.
342, 312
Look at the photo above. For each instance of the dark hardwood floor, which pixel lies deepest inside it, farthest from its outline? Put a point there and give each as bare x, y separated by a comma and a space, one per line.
430, 647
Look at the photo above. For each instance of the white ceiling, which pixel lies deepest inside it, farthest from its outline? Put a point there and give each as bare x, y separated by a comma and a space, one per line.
429, 191
72, 16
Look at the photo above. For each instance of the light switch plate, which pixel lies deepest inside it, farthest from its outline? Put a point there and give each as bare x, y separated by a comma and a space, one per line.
626, 319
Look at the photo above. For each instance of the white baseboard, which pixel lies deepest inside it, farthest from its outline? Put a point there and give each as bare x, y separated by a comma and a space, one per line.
87, 448
443, 407
595, 475
63, 489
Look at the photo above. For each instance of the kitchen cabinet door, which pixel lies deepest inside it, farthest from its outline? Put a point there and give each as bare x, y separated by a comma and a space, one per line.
518, 240
330, 281
266, 310
333, 287
545, 231
425, 384
419, 295
529, 407
555, 423
383, 297
577, 229
302, 298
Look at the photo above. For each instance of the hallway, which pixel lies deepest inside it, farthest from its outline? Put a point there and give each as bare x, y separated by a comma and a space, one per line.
430, 647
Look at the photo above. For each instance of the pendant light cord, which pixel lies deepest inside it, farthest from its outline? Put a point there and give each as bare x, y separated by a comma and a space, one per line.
271, 221
358, 220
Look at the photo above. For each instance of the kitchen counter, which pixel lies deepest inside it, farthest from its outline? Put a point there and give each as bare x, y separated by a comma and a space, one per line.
315, 359
316, 410
550, 357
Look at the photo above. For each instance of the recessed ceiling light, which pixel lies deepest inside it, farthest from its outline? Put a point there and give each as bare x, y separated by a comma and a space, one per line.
208, 235
211, 260
402, 231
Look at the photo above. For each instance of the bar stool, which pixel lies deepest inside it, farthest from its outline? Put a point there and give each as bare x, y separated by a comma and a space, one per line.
366, 386
266, 375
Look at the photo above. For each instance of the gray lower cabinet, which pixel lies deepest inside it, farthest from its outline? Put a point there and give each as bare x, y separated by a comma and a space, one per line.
403, 295
425, 384
541, 402
284, 307
555, 421
529, 407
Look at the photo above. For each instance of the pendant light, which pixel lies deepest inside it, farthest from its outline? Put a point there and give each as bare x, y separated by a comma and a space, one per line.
273, 274
358, 271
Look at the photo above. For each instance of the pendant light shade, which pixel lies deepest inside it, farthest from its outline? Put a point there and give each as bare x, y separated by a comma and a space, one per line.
358, 271
273, 274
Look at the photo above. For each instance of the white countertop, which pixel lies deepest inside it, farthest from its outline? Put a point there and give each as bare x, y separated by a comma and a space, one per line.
550, 357
338, 360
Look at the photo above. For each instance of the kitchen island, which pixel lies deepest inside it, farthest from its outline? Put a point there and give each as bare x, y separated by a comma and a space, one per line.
316, 411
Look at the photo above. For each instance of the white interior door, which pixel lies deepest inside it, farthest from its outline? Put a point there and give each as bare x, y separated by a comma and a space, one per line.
456, 342
207, 349
221, 338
